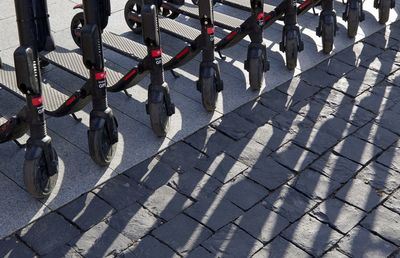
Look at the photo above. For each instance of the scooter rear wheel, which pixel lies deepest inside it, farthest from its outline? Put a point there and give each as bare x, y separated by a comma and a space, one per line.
384, 10
101, 149
353, 21
133, 6
159, 118
168, 13
209, 92
36, 178
76, 26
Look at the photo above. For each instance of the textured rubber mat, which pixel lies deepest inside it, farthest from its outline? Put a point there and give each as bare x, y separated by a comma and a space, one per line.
72, 62
52, 97
128, 47
221, 20
180, 30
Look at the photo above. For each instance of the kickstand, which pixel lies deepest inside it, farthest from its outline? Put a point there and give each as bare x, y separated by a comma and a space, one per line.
221, 55
76, 118
127, 93
313, 9
176, 76
20, 145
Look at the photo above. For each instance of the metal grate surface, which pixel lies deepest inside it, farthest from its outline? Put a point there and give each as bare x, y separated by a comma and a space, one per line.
221, 20
180, 30
128, 47
72, 62
53, 99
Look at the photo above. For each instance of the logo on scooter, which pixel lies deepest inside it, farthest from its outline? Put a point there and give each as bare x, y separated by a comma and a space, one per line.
157, 55
211, 32
260, 19
101, 79
38, 103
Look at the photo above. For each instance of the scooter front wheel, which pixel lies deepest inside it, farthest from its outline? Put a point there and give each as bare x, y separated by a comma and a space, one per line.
353, 21
291, 49
102, 150
76, 27
209, 92
36, 178
328, 34
256, 67
159, 117
384, 10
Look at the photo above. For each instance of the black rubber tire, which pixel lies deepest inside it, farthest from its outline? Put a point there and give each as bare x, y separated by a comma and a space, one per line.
101, 149
133, 6
256, 73
159, 118
328, 36
209, 93
353, 21
384, 11
1, 63
36, 180
168, 13
292, 49
76, 24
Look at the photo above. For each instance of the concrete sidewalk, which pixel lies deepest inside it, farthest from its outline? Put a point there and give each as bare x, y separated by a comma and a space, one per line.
168, 187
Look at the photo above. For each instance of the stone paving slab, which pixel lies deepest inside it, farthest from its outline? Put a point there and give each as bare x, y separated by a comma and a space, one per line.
214, 182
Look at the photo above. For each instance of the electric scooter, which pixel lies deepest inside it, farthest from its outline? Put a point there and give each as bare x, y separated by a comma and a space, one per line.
41, 160
210, 82
291, 42
103, 127
257, 63
103, 132
354, 13
159, 105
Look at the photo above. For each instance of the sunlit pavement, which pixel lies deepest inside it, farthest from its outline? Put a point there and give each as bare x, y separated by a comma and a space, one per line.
308, 168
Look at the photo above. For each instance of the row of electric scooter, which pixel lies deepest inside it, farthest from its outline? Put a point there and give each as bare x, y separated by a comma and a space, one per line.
148, 17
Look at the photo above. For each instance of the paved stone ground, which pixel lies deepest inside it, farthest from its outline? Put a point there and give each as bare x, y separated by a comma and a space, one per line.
311, 168
137, 141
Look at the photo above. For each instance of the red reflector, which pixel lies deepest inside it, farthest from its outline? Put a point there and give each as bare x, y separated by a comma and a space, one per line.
70, 100
182, 53
267, 17
231, 35
156, 53
100, 76
130, 74
210, 30
37, 101
304, 4
260, 16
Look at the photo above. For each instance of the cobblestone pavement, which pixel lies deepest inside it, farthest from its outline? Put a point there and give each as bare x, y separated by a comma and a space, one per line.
311, 168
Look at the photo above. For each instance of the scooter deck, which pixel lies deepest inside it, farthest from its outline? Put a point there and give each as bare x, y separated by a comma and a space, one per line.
53, 98
127, 47
180, 30
72, 63
221, 20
